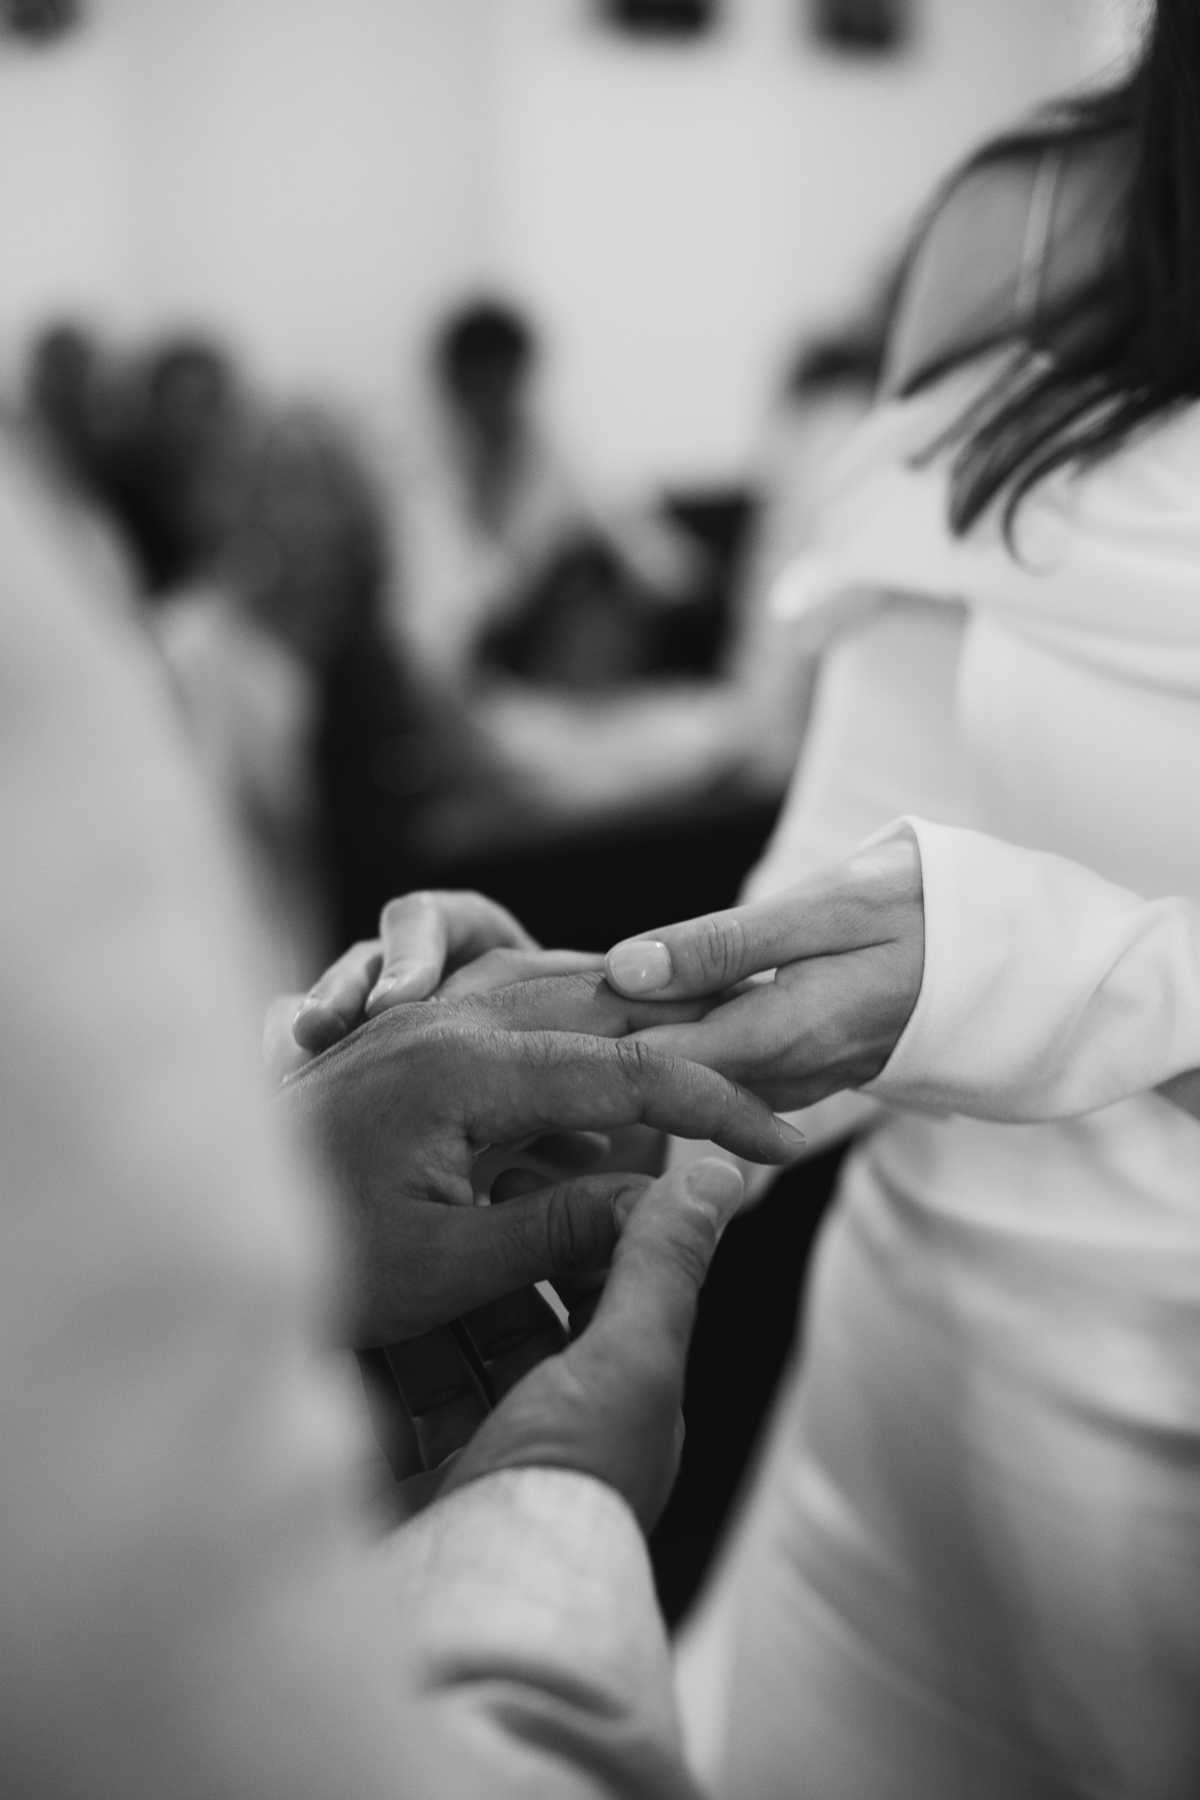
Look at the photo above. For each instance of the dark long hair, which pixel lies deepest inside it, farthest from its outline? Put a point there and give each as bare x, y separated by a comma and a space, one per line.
1126, 347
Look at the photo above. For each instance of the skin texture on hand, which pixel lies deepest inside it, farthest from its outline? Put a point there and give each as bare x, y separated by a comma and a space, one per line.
848, 949
609, 1405
428, 941
423, 937
399, 1111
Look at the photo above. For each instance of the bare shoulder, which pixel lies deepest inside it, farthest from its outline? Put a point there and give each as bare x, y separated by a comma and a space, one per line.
1000, 228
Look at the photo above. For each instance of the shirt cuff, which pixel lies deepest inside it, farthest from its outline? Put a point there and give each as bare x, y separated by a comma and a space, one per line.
525, 1601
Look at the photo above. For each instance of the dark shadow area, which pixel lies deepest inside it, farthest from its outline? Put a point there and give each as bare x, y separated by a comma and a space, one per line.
585, 890
744, 1330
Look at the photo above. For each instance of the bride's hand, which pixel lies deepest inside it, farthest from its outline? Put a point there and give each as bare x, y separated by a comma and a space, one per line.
848, 949
443, 942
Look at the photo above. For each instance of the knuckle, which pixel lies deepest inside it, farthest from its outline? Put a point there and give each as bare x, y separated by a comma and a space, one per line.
565, 1238
537, 1052
721, 945
640, 1063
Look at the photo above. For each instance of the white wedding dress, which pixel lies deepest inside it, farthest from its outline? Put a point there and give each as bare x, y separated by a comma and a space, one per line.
970, 1562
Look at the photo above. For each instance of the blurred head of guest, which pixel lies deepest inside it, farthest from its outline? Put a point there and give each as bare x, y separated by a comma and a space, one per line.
38, 21
60, 381
306, 556
485, 356
172, 456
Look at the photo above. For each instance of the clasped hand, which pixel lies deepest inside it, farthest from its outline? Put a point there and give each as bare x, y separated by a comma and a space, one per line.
517, 1042
847, 947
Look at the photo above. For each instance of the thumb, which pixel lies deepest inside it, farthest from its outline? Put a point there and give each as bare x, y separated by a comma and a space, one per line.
659, 1265
609, 1406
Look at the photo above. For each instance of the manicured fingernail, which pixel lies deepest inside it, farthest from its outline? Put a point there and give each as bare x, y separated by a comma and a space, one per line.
305, 1006
639, 966
716, 1188
789, 1134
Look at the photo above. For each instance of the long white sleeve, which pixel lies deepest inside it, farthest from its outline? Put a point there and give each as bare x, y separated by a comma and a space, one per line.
1048, 991
189, 1601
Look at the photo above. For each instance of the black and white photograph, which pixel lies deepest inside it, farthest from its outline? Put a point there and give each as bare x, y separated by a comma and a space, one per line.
599, 904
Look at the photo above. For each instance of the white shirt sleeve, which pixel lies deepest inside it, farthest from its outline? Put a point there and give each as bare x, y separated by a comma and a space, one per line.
525, 1621
1048, 991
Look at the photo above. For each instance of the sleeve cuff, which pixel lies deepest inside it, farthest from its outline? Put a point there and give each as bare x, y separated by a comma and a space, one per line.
539, 1578
1047, 991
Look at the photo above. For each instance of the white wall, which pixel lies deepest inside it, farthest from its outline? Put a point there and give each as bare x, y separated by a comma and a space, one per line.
304, 174
65, 213
682, 214
312, 173
317, 178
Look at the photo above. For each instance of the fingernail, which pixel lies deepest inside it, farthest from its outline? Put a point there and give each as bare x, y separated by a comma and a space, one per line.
716, 1188
639, 966
305, 1006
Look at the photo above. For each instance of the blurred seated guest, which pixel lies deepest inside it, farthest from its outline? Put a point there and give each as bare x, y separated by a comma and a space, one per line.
253, 647
490, 519
172, 457
60, 380
58, 433
677, 741
582, 626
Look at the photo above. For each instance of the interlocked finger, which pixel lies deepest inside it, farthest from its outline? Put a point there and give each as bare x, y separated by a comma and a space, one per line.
587, 1083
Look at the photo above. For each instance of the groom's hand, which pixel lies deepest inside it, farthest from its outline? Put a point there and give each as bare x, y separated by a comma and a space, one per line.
609, 1405
425, 939
400, 1110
